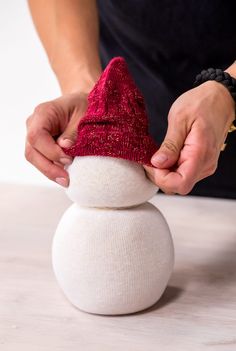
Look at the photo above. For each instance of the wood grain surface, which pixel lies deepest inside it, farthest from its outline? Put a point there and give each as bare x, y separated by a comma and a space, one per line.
196, 312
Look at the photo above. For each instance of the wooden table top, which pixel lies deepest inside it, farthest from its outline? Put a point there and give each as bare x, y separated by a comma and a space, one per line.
196, 312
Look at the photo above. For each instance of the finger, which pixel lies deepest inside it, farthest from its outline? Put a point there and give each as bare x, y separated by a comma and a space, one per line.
149, 171
169, 151
181, 180
49, 169
43, 142
59, 164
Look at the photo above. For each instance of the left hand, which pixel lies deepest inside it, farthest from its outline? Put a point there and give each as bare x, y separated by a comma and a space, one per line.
198, 123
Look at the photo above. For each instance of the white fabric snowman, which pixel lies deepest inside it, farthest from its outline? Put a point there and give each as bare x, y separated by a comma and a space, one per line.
112, 251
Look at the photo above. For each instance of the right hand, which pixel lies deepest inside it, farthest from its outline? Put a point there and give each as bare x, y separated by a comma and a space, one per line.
53, 125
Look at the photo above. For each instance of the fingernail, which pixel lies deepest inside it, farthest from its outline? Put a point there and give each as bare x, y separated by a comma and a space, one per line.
159, 158
66, 142
65, 161
62, 182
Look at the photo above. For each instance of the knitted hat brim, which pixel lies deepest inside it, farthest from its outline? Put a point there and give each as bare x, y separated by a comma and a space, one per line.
102, 144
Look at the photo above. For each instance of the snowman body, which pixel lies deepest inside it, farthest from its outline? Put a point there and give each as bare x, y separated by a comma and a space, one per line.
112, 251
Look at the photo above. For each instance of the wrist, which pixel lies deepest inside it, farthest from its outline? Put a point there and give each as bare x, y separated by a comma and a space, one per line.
218, 94
223, 86
81, 83
226, 98
78, 79
232, 70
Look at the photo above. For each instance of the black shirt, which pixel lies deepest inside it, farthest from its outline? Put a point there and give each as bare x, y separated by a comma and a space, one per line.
166, 43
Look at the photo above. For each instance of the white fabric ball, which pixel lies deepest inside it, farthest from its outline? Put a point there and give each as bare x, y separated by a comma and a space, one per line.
97, 181
110, 261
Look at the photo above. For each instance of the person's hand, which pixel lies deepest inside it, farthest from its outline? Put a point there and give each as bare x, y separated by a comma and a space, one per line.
198, 122
53, 125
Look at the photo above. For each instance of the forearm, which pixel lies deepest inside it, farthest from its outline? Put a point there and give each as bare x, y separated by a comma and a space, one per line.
69, 30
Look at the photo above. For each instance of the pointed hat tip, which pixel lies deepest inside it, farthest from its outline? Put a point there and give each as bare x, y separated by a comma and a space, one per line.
115, 78
117, 60
117, 64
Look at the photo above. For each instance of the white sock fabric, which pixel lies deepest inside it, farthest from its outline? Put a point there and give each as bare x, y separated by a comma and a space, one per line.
98, 181
110, 261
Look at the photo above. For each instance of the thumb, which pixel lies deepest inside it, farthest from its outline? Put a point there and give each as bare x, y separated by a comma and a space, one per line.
68, 137
169, 151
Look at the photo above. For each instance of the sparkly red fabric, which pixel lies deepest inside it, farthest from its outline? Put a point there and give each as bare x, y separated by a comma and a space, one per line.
115, 123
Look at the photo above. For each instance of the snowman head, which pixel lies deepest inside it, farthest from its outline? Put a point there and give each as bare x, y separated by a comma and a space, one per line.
112, 144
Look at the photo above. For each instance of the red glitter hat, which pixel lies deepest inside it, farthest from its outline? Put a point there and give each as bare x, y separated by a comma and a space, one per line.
115, 123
